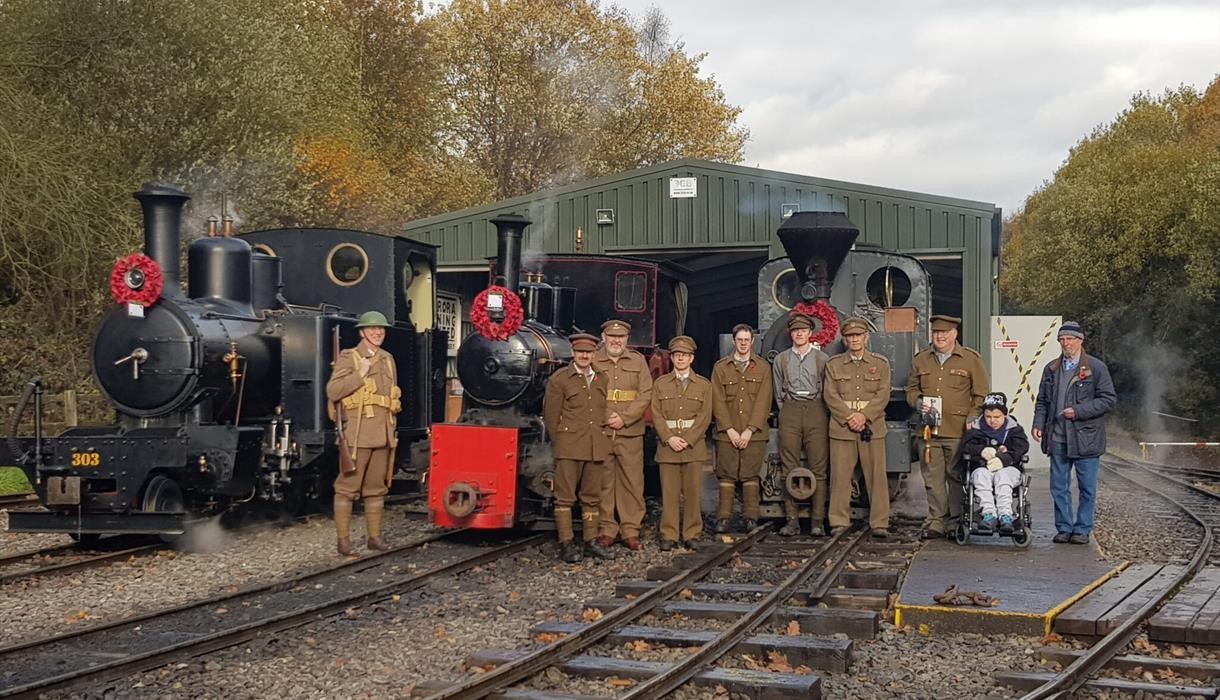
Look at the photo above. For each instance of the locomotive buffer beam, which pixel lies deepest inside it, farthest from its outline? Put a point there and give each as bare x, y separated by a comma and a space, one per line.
133, 523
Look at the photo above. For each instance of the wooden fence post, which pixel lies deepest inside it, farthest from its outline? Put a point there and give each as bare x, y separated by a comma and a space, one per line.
70, 415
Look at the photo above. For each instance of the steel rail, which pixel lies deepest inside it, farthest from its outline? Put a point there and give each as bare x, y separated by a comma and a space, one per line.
118, 667
86, 563
7, 559
517, 670
258, 588
1077, 674
840, 546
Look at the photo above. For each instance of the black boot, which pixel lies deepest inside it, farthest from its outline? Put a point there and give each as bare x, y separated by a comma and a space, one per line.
570, 552
596, 551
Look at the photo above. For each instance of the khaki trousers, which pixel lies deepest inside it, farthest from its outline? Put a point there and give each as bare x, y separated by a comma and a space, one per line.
806, 424
369, 479
622, 498
844, 455
942, 484
681, 483
578, 480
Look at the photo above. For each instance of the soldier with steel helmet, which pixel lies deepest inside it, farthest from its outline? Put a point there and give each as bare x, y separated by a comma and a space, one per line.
574, 408
947, 386
681, 413
857, 392
364, 384
797, 374
628, 394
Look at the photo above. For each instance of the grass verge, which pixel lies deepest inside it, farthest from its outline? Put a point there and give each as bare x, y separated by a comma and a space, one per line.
12, 480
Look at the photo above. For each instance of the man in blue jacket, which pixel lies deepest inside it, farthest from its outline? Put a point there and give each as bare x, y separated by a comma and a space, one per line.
1074, 396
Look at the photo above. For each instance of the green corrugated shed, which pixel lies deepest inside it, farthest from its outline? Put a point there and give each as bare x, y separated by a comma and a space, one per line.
734, 208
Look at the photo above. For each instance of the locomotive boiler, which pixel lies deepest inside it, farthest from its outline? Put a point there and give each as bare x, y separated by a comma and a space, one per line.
219, 393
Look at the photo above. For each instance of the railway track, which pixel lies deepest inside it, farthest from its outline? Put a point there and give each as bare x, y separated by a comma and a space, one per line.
805, 573
147, 641
67, 558
1201, 506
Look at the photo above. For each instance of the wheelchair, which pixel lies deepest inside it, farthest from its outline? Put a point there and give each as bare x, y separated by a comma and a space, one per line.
971, 522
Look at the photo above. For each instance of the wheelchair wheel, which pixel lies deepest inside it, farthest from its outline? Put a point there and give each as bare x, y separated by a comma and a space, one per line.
1023, 538
961, 535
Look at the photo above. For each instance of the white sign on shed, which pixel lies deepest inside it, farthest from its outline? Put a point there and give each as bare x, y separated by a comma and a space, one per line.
683, 187
449, 319
1020, 348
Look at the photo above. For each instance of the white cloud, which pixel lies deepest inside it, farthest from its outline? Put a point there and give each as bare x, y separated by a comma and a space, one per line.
979, 100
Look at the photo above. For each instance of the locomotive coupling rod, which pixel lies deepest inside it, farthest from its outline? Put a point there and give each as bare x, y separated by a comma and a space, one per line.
136, 357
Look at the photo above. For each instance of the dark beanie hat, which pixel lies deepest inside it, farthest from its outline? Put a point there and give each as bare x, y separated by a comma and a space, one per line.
996, 400
1072, 329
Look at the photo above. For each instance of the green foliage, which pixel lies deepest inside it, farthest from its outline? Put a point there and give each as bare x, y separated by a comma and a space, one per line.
357, 113
1125, 237
13, 481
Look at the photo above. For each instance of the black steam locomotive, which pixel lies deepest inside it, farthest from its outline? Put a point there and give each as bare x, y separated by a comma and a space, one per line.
493, 468
219, 394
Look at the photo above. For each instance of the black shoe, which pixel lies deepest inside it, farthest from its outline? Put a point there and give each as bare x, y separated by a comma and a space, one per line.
792, 528
722, 526
1006, 525
595, 550
881, 534
570, 552
667, 545
1079, 538
748, 525
692, 545
930, 534
1061, 538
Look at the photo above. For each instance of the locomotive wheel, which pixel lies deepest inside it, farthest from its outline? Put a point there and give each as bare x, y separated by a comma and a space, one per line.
163, 495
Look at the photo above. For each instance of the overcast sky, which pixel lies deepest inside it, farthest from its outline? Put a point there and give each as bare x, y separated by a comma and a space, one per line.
974, 99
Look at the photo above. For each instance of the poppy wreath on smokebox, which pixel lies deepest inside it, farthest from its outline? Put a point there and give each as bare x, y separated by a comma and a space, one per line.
514, 315
821, 311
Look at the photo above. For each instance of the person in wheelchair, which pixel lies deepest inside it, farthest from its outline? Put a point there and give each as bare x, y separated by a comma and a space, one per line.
993, 452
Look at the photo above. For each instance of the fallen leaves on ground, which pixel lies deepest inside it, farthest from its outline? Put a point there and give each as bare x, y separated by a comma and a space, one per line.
685, 594
591, 615
793, 629
548, 637
638, 645
616, 682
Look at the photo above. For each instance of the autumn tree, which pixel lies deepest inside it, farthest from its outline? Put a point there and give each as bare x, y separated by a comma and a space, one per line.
1126, 237
544, 92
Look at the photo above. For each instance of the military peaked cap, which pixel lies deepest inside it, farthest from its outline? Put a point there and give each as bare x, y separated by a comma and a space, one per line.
683, 343
583, 341
941, 322
616, 327
796, 321
854, 326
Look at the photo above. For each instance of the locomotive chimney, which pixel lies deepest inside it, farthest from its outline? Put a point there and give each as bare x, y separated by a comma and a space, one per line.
816, 243
510, 228
162, 205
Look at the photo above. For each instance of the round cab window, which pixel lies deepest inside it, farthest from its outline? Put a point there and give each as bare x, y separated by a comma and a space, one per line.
786, 289
347, 264
889, 286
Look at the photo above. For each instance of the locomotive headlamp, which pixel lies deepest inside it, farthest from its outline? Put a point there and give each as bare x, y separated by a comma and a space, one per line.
495, 306
134, 279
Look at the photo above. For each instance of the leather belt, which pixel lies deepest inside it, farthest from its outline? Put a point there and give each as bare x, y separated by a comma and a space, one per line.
680, 424
621, 395
857, 405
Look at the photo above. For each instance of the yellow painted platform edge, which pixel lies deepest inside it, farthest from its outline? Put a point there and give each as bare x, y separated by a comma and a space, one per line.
1047, 618
1087, 589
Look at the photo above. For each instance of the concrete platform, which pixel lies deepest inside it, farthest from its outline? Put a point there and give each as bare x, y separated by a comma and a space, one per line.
1031, 585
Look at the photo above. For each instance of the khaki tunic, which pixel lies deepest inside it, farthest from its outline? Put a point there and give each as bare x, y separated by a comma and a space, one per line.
685, 413
628, 393
372, 433
741, 400
574, 411
962, 383
575, 414
858, 386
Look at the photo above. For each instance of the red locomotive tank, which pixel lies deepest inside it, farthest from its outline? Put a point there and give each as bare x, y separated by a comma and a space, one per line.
472, 479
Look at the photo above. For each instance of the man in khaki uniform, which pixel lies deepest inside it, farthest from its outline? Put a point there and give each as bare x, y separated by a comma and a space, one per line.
364, 383
628, 393
574, 408
803, 420
681, 413
857, 392
741, 401
957, 376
